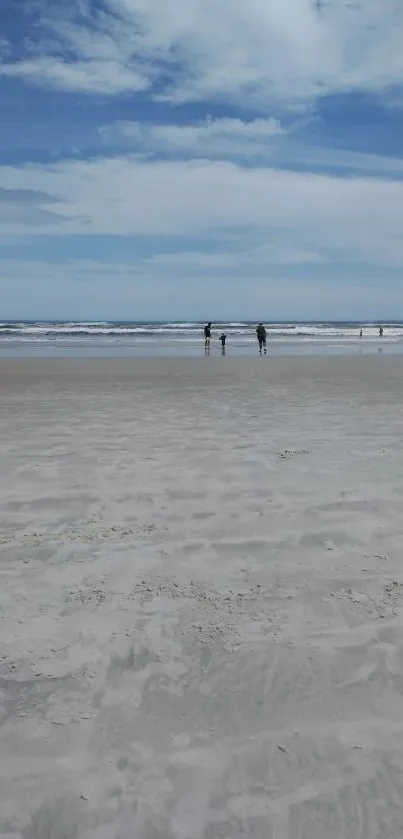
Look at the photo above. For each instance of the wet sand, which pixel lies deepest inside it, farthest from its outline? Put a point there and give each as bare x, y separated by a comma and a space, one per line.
201, 598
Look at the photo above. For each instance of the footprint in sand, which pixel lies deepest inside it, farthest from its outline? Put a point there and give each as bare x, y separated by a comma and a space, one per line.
287, 454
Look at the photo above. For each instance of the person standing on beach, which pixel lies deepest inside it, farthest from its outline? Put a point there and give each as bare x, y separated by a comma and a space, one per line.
222, 340
261, 337
381, 331
207, 338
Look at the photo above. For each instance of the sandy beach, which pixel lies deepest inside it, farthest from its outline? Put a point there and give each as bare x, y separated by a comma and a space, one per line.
201, 598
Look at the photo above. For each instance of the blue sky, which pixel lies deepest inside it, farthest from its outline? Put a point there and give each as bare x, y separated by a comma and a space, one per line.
193, 159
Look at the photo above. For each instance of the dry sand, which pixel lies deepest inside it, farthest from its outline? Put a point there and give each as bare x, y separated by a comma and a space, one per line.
201, 599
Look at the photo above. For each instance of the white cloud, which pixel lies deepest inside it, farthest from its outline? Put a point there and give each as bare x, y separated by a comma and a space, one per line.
262, 140
86, 76
265, 50
206, 138
350, 219
316, 157
94, 56
238, 260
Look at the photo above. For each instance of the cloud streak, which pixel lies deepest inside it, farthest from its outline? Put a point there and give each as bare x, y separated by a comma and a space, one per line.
89, 76
25, 208
262, 141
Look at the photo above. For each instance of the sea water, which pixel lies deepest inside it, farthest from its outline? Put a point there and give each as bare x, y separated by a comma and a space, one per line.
125, 338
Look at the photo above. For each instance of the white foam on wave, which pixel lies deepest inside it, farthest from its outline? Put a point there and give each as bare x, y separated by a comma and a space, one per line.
192, 331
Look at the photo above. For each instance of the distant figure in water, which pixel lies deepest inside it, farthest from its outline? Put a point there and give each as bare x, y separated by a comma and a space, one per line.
381, 331
261, 337
360, 333
222, 340
207, 338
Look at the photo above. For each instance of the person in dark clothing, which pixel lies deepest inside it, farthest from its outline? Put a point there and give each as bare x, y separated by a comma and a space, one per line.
207, 336
223, 339
261, 337
381, 331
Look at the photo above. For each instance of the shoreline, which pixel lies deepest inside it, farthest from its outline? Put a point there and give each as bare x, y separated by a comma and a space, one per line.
177, 349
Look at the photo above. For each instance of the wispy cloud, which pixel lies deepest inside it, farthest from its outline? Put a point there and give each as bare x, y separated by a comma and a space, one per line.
27, 208
356, 219
286, 49
85, 76
207, 138
263, 141
238, 260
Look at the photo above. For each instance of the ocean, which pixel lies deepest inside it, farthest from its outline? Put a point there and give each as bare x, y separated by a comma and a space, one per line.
124, 338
